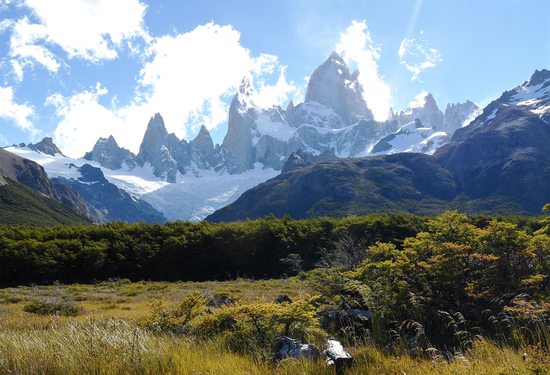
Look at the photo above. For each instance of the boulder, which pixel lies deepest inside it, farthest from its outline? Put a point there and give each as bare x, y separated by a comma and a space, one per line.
337, 356
286, 347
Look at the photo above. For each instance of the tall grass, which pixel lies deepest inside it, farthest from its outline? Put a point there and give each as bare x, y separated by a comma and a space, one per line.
112, 340
113, 346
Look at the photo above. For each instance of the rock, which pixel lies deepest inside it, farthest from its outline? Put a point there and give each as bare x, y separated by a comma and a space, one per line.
26, 172
290, 106
203, 151
157, 148
46, 146
336, 356
108, 154
332, 85
300, 159
237, 145
283, 298
412, 137
425, 109
459, 115
285, 347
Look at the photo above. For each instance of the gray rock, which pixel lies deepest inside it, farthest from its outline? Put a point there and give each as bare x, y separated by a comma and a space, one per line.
108, 154
458, 115
237, 148
46, 146
285, 347
156, 149
332, 85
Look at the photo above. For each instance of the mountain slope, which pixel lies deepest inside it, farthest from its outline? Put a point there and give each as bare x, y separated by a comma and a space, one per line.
401, 182
27, 196
19, 205
102, 200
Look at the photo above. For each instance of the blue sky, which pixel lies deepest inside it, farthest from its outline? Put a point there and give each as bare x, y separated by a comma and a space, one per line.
80, 69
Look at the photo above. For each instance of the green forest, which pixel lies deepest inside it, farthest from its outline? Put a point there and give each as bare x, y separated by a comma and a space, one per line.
263, 248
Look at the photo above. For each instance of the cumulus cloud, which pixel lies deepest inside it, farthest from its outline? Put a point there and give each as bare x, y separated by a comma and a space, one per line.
90, 30
188, 78
356, 47
83, 119
416, 56
19, 114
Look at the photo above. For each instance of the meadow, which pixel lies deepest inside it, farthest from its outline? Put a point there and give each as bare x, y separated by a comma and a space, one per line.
109, 336
458, 296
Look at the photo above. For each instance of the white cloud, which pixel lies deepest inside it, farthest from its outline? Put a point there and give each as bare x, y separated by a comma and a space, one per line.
419, 100
25, 50
188, 78
416, 56
19, 114
90, 30
83, 120
356, 46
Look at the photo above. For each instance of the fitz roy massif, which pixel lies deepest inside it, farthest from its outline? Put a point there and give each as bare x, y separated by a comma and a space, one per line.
325, 156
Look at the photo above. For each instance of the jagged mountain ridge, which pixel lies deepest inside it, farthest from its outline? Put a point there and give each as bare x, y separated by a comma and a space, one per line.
500, 163
333, 118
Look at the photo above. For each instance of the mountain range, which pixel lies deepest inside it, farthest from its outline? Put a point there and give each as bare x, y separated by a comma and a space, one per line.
178, 179
499, 163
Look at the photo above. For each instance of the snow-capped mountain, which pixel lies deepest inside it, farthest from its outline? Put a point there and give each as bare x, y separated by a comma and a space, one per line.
191, 179
532, 96
105, 198
424, 108
499, 163
412, 137
334, 118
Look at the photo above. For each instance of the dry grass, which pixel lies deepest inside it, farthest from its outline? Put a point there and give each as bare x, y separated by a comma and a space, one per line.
108, 339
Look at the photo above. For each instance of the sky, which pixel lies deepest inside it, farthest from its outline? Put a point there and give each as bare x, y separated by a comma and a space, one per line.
77, 70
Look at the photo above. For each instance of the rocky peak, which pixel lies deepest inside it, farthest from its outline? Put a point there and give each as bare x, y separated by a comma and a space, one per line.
458, 115
290, 106
154, 138
244, 98
430, 103
424, 108
332, 85
539, 77
533, 95
110, 155
46, 146
237, 148
154, 149
203, 140
26, 172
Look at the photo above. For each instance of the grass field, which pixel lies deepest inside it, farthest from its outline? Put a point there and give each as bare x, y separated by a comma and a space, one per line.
108, 336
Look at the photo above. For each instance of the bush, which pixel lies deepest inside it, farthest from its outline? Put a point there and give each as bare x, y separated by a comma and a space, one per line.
53, 307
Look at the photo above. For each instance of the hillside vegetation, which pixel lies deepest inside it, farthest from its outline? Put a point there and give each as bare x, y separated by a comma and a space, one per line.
20, 205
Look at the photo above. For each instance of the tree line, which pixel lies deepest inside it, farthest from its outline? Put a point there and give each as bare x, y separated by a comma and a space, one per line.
263, 248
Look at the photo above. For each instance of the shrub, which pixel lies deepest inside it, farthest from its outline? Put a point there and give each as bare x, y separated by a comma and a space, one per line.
55, 306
